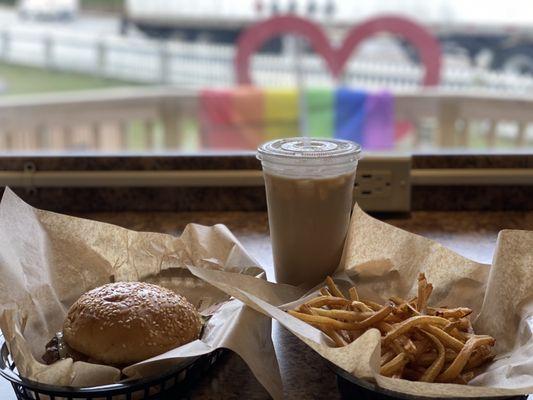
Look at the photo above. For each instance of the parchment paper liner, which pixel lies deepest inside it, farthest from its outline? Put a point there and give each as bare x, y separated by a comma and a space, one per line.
382, 261
48, 260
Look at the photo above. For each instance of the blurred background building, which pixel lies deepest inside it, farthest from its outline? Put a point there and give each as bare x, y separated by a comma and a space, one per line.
162, 62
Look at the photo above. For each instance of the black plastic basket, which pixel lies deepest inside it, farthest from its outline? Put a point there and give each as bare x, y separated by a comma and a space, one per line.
173, 384
351, 388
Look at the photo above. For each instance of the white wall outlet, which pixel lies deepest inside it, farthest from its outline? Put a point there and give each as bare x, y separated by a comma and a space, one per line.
384, 184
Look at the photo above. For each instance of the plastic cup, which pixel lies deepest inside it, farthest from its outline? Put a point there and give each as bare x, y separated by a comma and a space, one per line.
309, 187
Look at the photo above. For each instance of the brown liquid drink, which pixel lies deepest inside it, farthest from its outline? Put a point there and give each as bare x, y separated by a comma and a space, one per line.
309, 187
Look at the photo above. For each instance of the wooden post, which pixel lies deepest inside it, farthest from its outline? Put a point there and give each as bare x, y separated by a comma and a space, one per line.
96, 133
42, 137
108, 136
448, 113
57, 137
17, 138
463, 131
123, 132
68, 132
3, 140
491, 134
417, 131
521, 134
30, 138
170, 116
9, 141
149, 134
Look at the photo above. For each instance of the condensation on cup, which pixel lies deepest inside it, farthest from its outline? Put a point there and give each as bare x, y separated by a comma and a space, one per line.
309, 187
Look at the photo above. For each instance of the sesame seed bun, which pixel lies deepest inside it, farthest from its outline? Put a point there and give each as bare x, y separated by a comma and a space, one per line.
127, 322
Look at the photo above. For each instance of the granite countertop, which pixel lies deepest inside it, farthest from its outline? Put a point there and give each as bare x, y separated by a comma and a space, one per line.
305, 374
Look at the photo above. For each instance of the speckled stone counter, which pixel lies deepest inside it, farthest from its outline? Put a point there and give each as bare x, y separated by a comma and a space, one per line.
305, 374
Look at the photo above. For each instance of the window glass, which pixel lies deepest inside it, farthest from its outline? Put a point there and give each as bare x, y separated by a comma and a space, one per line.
150, 76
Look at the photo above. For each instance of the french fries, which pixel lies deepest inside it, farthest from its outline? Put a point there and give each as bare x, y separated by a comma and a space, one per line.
418, 342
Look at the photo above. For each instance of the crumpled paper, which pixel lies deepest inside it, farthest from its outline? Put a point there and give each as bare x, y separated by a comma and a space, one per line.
47, 260
382, 261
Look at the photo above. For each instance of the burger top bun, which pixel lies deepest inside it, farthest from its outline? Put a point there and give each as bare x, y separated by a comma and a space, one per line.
127, 322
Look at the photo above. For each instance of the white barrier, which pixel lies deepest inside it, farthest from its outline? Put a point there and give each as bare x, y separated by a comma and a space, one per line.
167, 119
196, 65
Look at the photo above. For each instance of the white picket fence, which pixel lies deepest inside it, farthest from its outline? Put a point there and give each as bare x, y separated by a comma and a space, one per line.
197, 65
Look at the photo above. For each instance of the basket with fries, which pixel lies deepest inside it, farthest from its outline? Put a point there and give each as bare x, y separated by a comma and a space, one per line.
418, 342
408, 318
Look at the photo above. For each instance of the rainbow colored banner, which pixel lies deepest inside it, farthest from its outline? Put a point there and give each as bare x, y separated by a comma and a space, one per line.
244, 117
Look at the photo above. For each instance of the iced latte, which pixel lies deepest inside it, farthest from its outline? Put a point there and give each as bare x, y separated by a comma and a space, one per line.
309, 188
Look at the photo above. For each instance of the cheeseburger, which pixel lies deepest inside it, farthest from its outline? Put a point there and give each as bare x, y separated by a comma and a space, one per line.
123, 323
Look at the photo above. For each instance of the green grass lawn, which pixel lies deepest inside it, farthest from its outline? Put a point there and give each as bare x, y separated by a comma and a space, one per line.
17, 79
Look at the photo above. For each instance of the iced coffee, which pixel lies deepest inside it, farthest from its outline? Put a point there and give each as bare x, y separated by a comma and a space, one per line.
309, 187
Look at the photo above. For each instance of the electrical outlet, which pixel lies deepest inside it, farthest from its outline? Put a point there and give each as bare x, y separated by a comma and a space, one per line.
374, 183
383, 184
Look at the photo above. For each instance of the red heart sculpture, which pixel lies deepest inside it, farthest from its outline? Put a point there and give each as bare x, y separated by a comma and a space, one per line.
336, 58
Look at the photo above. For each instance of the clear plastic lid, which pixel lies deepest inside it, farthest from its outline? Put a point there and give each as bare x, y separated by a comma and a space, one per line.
298, 151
